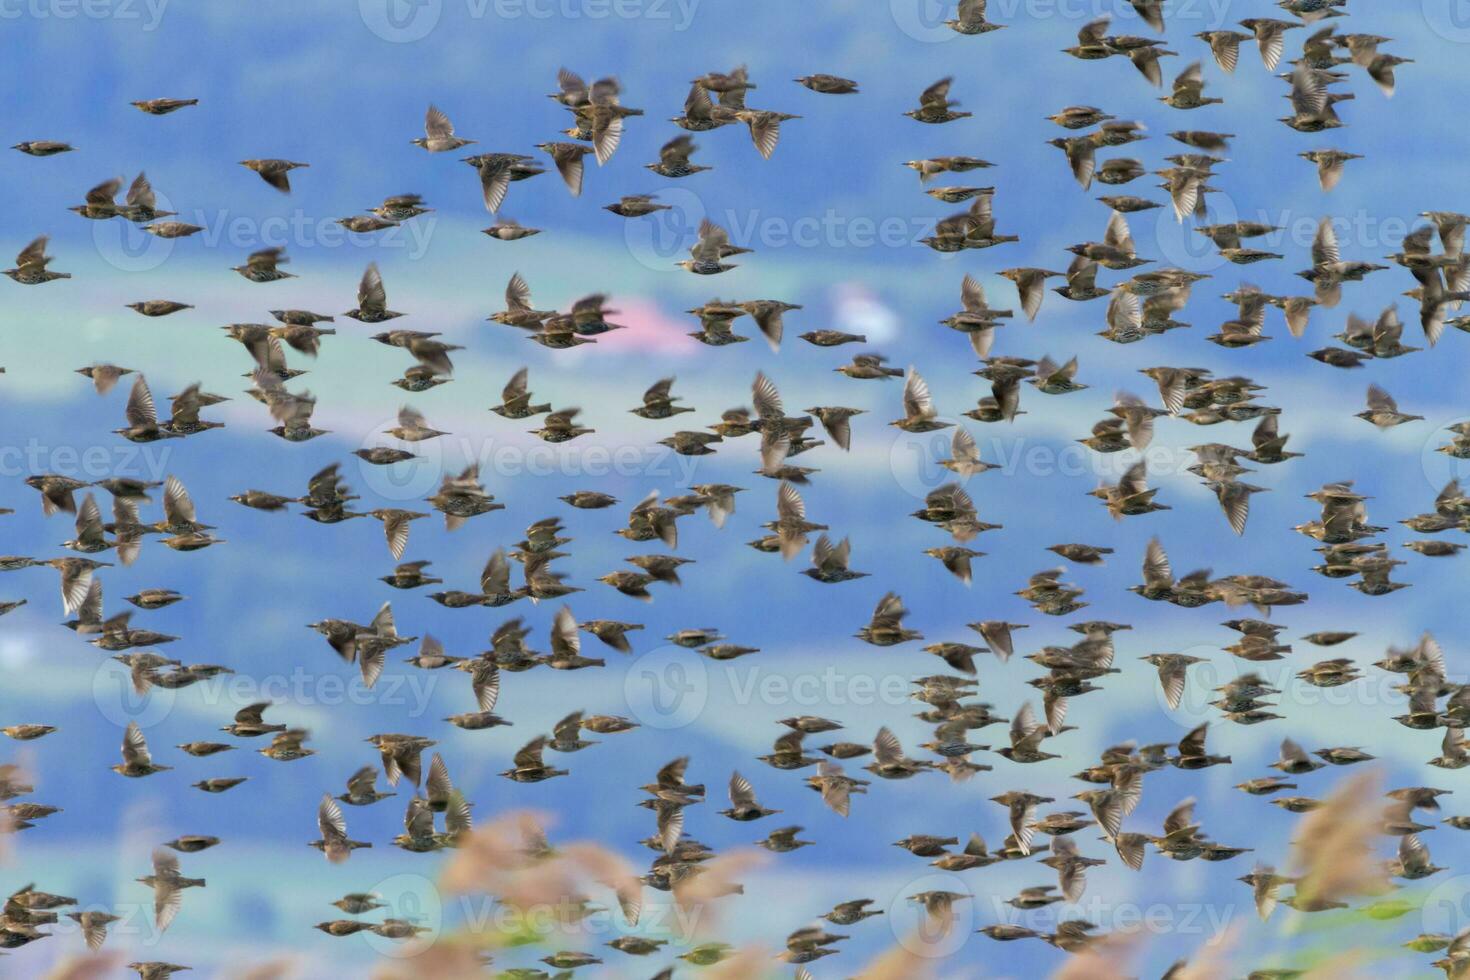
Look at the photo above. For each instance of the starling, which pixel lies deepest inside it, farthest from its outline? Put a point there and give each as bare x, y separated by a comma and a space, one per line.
363, 224
274, 172
1189, 90
674, 159
568, 160
438, 133
1053, 380
94, 926
104, 376
168, 885
1130, 496
1270, 37
935, 105
400, 207
361, 790
156, 969
929, 169
598, 111
743, 805
515, 399
332, 825
1329, 165
886, 627
918, 405
970, 19
974, 228
1383, 411
343, 927
412, 427
527, 765
867, 367
372, 299
658, 402
713, 245
826, 84
159, 307
136, 759
737, 80
261, 266
162, 107
1313, 109
27, 733
636, 206
829, 562
30, 265
43, 148
765, 128
1172, 668
249, 723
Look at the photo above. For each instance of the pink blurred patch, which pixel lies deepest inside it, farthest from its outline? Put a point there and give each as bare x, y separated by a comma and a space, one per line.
647, 327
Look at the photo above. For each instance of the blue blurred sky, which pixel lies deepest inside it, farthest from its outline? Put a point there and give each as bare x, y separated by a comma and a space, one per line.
834, 221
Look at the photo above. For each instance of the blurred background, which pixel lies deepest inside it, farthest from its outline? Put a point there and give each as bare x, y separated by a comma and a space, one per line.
834, 220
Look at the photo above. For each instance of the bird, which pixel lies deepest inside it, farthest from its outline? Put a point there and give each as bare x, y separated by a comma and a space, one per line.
1130, 496
765, 128
439, 133
886, 626
920, 414
1188, 90
636, 206
1270, 37
743, 805
824, 255
30, 265
935, 105
1383, 411
277, 173
829, 84
43, 148
830, 562
673, 159
162, 107
527, 765
568, 160
970, 19
1172, 668
713, 245
372, 298
334, 842
137, 761
1330, 165
261, 266
168, 885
